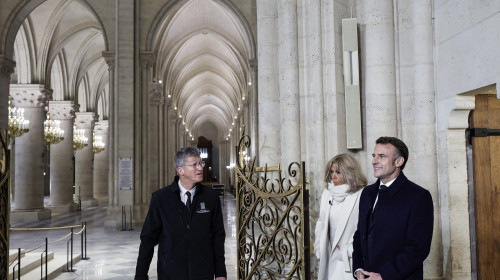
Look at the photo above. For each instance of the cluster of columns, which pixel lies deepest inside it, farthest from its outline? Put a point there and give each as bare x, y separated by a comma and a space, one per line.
68, 168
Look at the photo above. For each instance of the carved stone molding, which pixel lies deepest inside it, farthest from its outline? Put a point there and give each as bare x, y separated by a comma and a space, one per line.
63, 110
156, 97
101, 127
147, 60
109, 57
6, 67
85, 120
32, 95
172, 117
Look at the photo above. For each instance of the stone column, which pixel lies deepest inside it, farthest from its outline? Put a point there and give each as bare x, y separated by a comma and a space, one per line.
61, 158
269, 102
170, 144
154, 169
84, 173
289, 82
30, 147
101, 163
380, 80
425, 119
253, 100
142, 119
111, 150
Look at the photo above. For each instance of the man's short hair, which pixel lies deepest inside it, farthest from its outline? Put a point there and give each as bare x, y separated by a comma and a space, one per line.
181, 155
401, 148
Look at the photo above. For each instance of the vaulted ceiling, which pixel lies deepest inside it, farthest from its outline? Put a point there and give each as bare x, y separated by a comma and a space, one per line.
62, 49
202, 51
202, 54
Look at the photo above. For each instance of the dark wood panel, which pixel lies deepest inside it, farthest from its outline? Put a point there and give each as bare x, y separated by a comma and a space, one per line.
486, 161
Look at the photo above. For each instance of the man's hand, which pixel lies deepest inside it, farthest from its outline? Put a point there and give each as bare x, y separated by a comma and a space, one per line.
362, 274
220, 278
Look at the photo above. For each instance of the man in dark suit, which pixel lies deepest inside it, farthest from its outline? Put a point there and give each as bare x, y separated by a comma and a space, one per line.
185, 220
395, 222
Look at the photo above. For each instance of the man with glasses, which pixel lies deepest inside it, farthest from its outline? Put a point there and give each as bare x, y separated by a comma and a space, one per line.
185, 219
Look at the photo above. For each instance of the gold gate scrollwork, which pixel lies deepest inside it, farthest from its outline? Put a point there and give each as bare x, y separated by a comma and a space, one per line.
4, 207
273, 219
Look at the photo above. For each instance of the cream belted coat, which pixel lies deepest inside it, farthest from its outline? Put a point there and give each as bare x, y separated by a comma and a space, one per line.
329, 268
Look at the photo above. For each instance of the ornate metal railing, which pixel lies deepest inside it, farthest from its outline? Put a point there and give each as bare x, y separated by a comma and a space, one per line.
4, 206
273, 219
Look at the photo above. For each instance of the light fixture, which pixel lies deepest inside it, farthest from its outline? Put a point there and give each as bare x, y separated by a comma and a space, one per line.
243, 98
52, 132
79, 138
98, 145
17, 124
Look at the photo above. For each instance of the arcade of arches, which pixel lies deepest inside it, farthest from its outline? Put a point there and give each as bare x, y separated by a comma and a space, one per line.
150, 76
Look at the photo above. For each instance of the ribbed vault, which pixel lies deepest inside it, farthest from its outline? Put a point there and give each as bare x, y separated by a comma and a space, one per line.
202, 51
62, 49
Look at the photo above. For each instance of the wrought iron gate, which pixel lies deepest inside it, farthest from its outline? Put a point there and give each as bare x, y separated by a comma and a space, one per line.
273, 219
4, 206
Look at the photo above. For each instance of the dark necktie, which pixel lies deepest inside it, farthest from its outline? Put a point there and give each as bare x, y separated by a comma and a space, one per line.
188, 201
381, 190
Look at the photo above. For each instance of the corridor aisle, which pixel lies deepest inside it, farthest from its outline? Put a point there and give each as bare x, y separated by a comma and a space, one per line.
112, 253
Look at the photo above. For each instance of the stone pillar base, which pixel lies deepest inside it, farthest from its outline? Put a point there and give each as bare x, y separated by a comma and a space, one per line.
65, 208
91, 202
17, 216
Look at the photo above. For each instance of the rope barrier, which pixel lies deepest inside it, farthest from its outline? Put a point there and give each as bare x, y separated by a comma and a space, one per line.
49, 228
51, 242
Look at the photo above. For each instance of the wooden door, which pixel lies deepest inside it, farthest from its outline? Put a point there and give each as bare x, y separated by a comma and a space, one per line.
486, 166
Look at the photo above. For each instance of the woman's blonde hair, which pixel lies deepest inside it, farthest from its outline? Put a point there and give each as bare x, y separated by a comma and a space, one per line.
350, 169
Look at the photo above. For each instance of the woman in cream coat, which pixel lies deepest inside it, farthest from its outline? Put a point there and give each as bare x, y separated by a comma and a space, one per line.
338, 217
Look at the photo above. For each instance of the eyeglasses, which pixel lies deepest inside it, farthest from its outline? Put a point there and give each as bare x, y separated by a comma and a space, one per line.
194, 165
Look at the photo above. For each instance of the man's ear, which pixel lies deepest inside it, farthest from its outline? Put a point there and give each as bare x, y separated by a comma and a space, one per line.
180, 171
400, 161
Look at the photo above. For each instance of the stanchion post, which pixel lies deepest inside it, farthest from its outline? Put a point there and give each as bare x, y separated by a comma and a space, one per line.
124, 221
46, 259
71, 257
131, 218
81, 243
85, 232
19, 265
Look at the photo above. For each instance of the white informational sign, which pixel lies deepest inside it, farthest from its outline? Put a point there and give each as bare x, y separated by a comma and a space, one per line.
125, 173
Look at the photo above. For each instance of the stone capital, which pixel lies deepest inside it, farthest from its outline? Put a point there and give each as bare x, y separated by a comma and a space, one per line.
156, 97
62, 110
30, 95
147, 60
101, 127
109, 57
85, 120
6, 67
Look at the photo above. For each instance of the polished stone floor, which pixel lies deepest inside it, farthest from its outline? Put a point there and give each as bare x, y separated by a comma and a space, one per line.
112, 253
